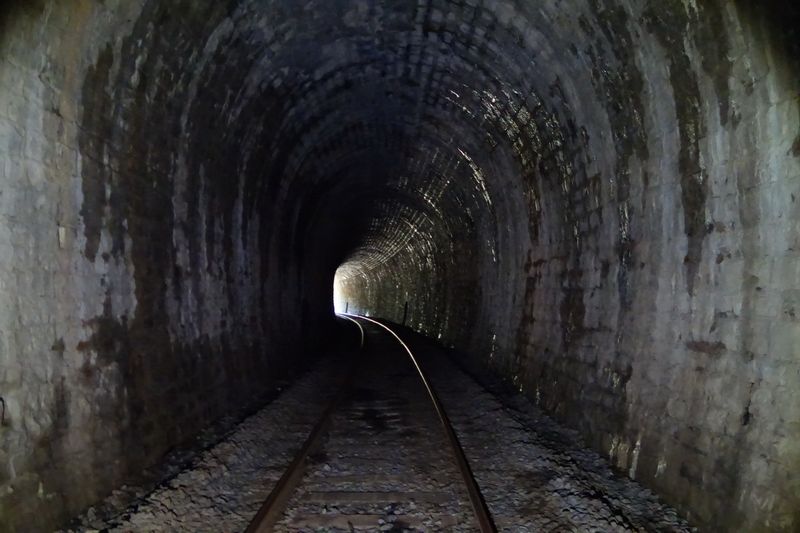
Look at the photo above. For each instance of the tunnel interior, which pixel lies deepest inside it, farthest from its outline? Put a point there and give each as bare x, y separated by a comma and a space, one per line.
596, 200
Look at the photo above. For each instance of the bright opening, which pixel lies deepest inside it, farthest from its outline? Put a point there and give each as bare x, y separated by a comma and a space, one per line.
340, 303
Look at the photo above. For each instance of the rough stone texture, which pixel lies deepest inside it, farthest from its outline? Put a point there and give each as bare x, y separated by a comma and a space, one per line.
534, 474
599, 199
612, 225
224, 486
141, 279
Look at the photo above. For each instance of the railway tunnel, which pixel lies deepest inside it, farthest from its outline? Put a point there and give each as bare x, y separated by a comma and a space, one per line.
596, 201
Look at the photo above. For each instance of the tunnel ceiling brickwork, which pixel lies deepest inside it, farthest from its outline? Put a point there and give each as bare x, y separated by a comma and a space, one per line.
596, 199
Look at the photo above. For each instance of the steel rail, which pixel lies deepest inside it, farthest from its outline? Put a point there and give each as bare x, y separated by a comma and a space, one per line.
360, 329
273, 507
479, 506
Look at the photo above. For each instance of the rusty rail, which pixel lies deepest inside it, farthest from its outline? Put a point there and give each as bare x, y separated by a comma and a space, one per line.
272, 508
479, 506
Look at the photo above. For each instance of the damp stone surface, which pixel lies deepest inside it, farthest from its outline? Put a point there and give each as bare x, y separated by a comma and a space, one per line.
597, 201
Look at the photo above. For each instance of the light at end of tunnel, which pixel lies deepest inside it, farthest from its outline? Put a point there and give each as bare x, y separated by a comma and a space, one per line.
340, 302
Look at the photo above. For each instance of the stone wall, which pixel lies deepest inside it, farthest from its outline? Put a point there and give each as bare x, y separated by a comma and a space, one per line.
630, 257
597, 199
142, 292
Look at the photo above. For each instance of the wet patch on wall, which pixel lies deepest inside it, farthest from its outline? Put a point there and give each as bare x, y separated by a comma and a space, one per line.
669, 23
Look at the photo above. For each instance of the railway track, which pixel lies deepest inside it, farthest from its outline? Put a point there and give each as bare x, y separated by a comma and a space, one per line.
381, 460
383, 455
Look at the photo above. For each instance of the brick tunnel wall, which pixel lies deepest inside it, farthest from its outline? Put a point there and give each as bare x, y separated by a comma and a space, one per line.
145, 289
626, 249
597, 199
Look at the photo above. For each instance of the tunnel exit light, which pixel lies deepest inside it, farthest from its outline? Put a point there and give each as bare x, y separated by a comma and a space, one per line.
340, 303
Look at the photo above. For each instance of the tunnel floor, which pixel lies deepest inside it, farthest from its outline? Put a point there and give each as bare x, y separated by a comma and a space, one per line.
534, 474
385, 464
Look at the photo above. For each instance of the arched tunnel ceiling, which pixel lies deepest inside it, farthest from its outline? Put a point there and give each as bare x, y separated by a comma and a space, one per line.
594, 199
389, 95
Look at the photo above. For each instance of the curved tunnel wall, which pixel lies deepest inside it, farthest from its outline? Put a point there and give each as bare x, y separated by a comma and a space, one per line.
629, 254
595, 199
